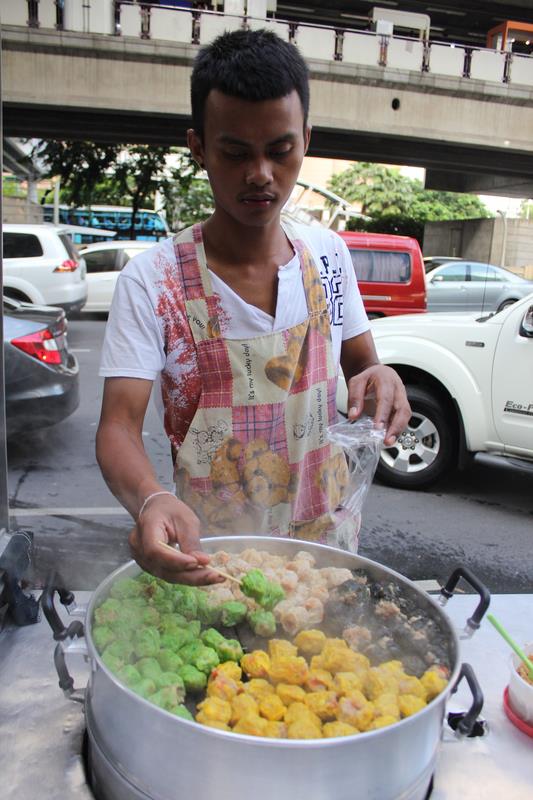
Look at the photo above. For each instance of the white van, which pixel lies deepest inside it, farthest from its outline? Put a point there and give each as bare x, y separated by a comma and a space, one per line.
42, 266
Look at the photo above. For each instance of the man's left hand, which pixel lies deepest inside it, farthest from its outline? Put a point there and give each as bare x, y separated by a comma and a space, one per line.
384, 386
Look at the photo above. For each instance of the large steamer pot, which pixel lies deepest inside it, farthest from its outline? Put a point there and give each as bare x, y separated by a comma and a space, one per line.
138, 750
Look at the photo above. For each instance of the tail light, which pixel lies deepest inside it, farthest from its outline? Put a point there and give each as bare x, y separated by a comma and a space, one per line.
41, 345
67, 266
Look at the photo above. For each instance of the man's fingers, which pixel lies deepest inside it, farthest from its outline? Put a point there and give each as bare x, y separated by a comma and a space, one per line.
356, 396
397, 425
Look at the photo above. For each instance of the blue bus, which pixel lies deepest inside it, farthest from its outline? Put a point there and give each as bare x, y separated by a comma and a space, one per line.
150, 226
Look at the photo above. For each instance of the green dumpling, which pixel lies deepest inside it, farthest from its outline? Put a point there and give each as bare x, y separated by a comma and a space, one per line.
273, 595
211, 638
150, 616
194, 627
177, 639
263, 623
254, 584
129, 675
232, 612
182, 711
149, 667
194, 680
207, 660
121, 649
102, 636
146, 642
166, 698
168, 623
145, 688
125, 588
186, 602
171, 679
169, 661
229, 650
108, 612
191, 651
208, 608
112, 662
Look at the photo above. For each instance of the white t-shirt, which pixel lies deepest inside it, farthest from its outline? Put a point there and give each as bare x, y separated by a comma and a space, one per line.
134, 344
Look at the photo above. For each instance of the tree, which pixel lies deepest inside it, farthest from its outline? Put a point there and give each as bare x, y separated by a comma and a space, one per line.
398, 204
123, 175
79, 165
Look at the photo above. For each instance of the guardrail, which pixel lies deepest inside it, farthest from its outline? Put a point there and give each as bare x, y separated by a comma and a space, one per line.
169, 23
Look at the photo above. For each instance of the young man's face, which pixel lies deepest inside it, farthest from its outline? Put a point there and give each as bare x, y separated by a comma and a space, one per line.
252, 152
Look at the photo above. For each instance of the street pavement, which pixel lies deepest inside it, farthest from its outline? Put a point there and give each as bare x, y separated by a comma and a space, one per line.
481, 517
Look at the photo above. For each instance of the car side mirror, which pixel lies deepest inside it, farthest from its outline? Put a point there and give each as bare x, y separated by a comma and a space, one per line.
526, 326
437, 279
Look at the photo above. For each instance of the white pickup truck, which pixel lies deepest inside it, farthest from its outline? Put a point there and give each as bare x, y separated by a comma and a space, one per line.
469, 379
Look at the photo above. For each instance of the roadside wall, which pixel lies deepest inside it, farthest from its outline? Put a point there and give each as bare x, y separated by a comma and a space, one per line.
508, 243
18, 209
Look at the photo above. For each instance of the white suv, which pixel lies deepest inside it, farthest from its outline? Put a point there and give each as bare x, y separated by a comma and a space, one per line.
42, 266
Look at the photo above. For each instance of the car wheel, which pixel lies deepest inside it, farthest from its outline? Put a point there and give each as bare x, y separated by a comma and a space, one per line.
14, 294
505, 304
425, 449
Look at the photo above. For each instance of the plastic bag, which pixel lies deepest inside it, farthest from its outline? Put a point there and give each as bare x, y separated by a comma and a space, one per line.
361, 443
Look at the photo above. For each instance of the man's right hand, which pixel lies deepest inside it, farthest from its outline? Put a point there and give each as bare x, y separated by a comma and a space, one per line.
167, 519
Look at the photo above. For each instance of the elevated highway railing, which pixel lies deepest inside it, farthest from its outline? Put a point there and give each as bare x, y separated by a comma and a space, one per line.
170, 23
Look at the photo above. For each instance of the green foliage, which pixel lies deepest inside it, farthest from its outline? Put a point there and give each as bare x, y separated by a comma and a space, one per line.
398, 204
12, 187
130, 176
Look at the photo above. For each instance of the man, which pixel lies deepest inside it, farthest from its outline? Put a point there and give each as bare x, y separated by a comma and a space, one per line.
243, 320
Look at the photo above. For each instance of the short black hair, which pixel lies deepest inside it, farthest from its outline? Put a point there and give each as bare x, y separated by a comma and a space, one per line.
251, 65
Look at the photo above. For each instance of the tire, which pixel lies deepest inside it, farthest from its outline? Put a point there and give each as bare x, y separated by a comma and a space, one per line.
417, 461
506, 304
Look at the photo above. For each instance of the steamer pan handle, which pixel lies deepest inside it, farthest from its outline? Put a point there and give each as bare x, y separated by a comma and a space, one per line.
463, 724
66, 682
473, 622
55, 584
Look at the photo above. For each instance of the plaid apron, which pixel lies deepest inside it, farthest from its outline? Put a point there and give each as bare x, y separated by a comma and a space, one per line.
255, 458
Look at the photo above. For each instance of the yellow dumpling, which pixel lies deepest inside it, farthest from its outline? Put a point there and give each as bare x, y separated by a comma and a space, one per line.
311, 642
336, 658
289, 693
387, 705
213, 723
214, 708
411, 685
300, 711
288, 669
409, 704
318, 679
230, 669
258, 688
256, 664
223, 687
281, 647
243, 704
356, 710
272, 708
331, 729
276, 730
434, 682
324, 704
303, 729
381, 722
347, 682
374, 683
251, 724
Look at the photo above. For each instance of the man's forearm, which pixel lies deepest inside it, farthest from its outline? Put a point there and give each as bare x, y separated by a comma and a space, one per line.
126, 468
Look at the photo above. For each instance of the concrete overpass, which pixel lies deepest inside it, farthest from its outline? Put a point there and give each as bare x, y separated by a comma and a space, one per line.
389, 99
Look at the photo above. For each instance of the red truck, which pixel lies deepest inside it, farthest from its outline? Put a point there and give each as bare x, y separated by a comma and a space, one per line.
390, 272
